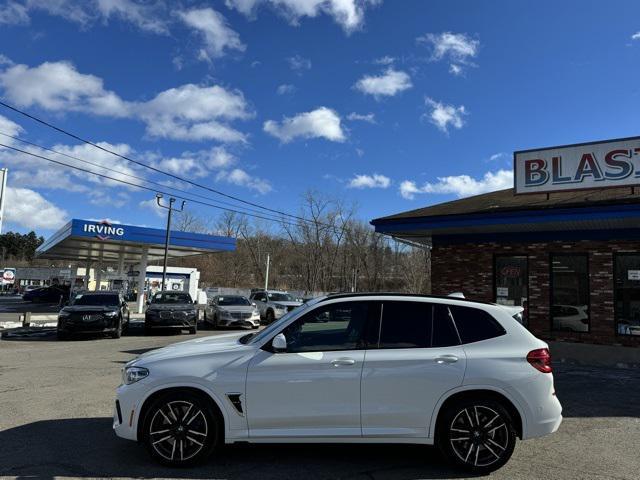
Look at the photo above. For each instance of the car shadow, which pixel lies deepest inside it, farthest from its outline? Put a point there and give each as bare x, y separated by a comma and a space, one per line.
87, 447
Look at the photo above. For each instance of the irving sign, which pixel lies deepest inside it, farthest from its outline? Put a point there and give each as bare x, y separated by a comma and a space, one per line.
612, 163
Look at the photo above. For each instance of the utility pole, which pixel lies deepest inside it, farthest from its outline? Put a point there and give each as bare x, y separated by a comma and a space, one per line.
266, 277
4, 172
167, 234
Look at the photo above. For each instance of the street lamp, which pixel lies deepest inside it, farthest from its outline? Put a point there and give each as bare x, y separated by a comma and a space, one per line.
166, 238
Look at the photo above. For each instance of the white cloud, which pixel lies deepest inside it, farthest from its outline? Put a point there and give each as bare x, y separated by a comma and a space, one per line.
349, 14
285, 89
319, 123
14, 13
369, 117
243, 179
458, 48
152, 205
59, 86
4, 60
389, 83
369, 181
29, 209
191, 112
386, 60
635, 36
187, 112
460, 185
8, 127
147, 16
498, 156
443, 116
298, 63
197, 164
213, 27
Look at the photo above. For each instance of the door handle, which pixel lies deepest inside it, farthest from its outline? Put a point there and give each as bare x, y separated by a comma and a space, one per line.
446, 359
343, 362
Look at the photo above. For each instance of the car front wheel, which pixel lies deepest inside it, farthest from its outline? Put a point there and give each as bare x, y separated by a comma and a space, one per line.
180, 429
476, 435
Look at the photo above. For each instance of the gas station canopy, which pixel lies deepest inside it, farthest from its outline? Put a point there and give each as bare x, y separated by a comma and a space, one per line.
87, 240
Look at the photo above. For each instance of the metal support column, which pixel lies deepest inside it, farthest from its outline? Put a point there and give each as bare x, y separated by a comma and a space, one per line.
99, 273
87, 275
142, 275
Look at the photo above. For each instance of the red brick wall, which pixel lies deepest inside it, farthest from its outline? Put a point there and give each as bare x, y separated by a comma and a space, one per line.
469, 268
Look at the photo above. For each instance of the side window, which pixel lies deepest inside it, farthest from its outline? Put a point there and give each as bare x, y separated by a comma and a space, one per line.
259, 297
474, 324
406, 325
339, 326
444, 332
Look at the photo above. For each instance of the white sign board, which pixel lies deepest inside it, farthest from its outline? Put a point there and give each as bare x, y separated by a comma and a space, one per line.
633, 274
502, 292
611, 163
8, 276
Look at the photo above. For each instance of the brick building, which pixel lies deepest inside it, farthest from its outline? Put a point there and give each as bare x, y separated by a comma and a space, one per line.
571, 259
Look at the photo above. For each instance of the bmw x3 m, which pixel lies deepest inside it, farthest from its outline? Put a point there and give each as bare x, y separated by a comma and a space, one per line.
369, 368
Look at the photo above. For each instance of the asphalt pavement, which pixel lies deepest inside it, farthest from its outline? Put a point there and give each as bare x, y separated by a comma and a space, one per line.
56, 402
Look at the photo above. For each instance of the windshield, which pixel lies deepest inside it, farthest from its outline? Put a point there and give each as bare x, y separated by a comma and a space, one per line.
166, 297
281, 297
233, 300
101, 300
275, 326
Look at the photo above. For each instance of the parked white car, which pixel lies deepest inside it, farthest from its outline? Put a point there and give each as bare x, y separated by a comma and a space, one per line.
231, 311
570, 317
273, 304
349, 368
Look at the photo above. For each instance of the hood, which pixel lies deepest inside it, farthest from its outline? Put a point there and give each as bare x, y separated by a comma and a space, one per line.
90, 308
217, 343
171, 306
285, 303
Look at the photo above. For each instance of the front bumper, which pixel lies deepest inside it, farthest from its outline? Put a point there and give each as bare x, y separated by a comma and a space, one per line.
239, 323
170, 320
98, 325
126, 410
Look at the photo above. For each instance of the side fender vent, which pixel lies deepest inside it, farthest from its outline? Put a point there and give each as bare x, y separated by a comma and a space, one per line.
236, 401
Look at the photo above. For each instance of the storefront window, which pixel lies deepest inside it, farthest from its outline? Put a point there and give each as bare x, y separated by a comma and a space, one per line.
627, 293
511, 282
570, 292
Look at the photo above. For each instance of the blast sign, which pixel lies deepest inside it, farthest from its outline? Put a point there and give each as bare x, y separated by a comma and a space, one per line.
611, 163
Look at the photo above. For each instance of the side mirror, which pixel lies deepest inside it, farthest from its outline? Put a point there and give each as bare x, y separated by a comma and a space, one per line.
254, 305
279, 343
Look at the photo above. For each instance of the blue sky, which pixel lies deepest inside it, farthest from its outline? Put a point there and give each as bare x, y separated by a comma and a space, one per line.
392, 105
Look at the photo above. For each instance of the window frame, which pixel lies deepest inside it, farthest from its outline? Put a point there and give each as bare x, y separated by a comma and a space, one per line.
615, 291
551, 288
495, 278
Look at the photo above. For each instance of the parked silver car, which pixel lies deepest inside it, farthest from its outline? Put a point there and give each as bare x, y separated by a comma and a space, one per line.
273, 304
231, 311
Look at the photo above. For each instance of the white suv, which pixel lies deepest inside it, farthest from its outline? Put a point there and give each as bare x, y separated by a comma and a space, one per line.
368, 368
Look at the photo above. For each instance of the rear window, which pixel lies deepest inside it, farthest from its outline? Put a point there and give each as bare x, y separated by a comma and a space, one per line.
443, 332
474, 324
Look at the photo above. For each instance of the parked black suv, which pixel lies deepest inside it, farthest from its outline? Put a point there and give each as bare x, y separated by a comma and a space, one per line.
171, 310
94, 312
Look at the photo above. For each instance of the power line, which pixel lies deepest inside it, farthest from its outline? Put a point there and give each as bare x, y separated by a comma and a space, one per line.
142, 164
144, 187
127, 174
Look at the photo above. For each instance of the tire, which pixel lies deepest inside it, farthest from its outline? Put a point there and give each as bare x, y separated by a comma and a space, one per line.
193, 330
60, 335
476, 435
205, 321
118, 331
255, 327
147, 329
270, 317
214, 325
197, 433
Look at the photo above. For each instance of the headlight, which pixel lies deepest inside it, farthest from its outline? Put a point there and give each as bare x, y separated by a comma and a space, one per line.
255, 313
190, 312
64, 315
110, 314
133, 374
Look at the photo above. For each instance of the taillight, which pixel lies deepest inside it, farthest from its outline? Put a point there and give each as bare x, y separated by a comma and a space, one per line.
540, 359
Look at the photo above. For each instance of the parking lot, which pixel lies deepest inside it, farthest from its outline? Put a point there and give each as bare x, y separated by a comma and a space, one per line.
56, 400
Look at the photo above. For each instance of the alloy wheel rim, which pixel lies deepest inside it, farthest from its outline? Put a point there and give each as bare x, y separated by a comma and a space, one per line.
479, 436
178, 430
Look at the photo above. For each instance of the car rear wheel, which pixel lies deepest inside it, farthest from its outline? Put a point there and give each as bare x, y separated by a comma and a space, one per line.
476, 435
180, 429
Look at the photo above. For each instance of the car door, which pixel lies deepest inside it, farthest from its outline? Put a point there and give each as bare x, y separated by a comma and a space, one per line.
313, 388
417, 359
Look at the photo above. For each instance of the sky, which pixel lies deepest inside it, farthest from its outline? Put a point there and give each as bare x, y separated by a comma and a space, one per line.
389, 105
